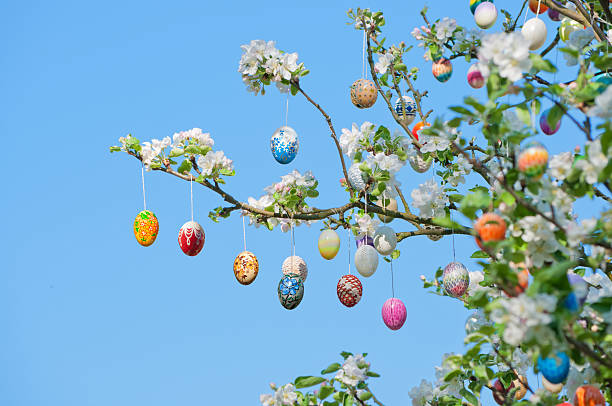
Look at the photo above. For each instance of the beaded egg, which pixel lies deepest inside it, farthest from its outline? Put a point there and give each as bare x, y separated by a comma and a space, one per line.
555, 367
363, 93
385, 240
290, 291
537, 6
389, 203
588, 395
534, 31
284, 144
442, 69
366, 239
419, 163
409, 107
475, 3
246, 267
349, 290
485, 15
489, 227
546, 128
567, 27
474, 77
533, 160
394, 313
356, 178
295, 265
366, 260
456, 279
191, 238
579, 293
146, 228
417, 128
329, 244
552, 387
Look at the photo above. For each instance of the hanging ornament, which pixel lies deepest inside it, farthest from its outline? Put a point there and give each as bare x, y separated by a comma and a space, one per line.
366, 260
146, 228
349, 290
534, 31
394, 313
533, 160
295, 265
191, 238
489, 227
329, 244
419, 163
521, 384
475, 3
363, 93
409, 108
475, 78
485, 15
546, 129
284, 144
554, 15
366, 239
535, 4
356, 178
246, 267
290, 291
555, 367
552, 387
475, 321
604, 81
391, 204
500, 392
456, 279
579, 293
435, 237
442, 69
385, 240
522, 274
418, 127
588, 395
567, 27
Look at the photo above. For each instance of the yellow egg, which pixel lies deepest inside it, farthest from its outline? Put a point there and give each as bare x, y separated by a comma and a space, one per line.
246, 267
329, 244
146, 228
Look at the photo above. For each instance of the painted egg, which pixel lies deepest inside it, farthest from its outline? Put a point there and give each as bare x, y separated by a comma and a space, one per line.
475, 3
356, 177
246, 267
555, 367
329, 244
533, 160
521, 384
417, 128
552, 387
366, 260
146, 228
534, 31
554, 15
349, 290
366, 239
385, 240
290, 291
604, 81
191, 238
546, 129
284, 144
537, 6
389, 204
442, 69
363, 93
394, 313
522, 274
489, 227
567, 27
419, 163
433, 237
500, 393
485, 15
295, 265
474, 77
588, 395
580, 291
409, 108
456, 279
475, 321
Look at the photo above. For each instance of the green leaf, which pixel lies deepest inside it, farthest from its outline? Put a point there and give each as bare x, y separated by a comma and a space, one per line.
307, 381
294, 90
348, 401
115, 149
185, 166
372, 374
540, 63
325, 391
395, 254
469, 396
365, 396
331, 368
452, 374
176, 152
554, 116
507, 198
479, 254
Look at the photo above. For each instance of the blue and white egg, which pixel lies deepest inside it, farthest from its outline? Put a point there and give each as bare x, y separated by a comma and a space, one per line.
356, 178
284, 144
409, 109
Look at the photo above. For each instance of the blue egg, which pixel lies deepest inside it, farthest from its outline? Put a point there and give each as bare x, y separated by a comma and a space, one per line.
579, 293
284, 144
555, 367
410, 107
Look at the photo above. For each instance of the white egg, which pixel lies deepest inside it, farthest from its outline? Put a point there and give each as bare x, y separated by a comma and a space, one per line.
485, 15
366, 260
534, 31
385, 240
355, 177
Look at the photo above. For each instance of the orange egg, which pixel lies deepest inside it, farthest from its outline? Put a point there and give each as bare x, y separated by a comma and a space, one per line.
418, 126
588, 395
146, 228
533, 6
489, 227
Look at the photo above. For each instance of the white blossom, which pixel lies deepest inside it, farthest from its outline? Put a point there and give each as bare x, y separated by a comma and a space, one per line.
354, 370
384, 60
421, 394
600, 287
429, 199
603, 105
350, 140
452, 387
595, 161
576, 42
523, 315
214, 160
560, 165
509, 52
432, 143
576, 232
367, 225
390, 163
445, 29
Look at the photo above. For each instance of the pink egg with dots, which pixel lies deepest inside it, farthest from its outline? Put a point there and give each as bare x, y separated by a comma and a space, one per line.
394, 313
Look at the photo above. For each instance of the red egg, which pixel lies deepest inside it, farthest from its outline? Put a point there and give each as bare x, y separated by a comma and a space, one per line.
349, 290
533, 6
588, 395
191, 238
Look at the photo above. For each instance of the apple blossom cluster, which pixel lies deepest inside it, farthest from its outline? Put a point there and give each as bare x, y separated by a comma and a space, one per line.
283, 396
366, 225
508, 53
353, 371
430, 199
434, 39
603, 105
575, 46
593, 164
426, 392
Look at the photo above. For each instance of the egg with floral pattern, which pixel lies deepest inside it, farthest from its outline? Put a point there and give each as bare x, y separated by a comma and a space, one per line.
284, 144
363, 93
349, 290
329, 244
407, 113
246, 267
442, 69
456, 279
295, 265
290, 291
533, 160
394, 313
555, 367
146, 228
191, 238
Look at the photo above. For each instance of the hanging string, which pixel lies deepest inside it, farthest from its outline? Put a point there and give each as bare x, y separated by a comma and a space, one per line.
292, 237
363, 64
348, 245
526, 12
244, 233
366, 212
144, 195
392, 283
191, 194
453, 234
538, 13
287, 111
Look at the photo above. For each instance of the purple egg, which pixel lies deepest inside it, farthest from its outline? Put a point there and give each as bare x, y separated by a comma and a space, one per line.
544, 124
554, 15
364, 240
579, 286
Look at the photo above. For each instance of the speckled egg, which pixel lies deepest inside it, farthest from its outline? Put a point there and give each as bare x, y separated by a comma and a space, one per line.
567, 27
456, 279
546, 128
290, 291
246, 267
485, 15
442, 69
389, 204
284, 144
363, 93
474, 77
419, 163
349, 290
191, 238
356, 178
580, 291
475, 3
555, 367
366, 260
552, 387
394, 313
588, 395
295, 265
329, 244
534, 31
385, 240
409, 109
533, 160
366, 239
146, 228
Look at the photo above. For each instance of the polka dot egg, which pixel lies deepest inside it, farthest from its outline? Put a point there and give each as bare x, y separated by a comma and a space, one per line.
456, 279
442, 69
295, 265
394, 313
408, 112
246, 267
284, 144
290, 291
146, 228
191, 238
349, 290
329, 244
533, 159
363, 93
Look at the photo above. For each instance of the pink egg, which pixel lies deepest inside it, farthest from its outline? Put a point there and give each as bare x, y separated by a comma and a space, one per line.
474, 77
394, 313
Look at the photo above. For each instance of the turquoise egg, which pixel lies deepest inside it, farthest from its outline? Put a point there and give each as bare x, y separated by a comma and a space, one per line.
284, 144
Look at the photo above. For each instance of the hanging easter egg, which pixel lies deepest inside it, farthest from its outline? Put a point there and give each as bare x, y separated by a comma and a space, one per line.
419, 163
475, 78
349, 290
588, 395
284, 144
290, 291
475, 3
567, 27
537, 6
407, 113
385, 240
552, 387
554, 15
456, 279
523, 282
417, 128
546, 128
500, 392
295, 265
555, 367
489, 227
485, 15
389, 203
246, 267
578, 295
521, 384
604, 81
356, 178
534, 31
329, 244
533, 160
394, 313
366, 239
146, 228
433, 237
366, 260
191, 238
442, 69
475, 321
363, 93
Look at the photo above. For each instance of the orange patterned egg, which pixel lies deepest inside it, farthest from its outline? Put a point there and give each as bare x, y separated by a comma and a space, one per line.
489, 227
146, 228
533, 160
363, 93
588, 395
246, 267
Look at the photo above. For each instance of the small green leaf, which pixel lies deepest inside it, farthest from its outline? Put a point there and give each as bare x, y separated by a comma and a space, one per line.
115, 149
185, 166
307, 381
331, 368
372, 374
325, 391
554, 116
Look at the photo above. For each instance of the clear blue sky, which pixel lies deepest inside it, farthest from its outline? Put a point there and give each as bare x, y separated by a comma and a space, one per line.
87, 316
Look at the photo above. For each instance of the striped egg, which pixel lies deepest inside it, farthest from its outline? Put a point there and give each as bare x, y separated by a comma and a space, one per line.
329, 244
146, 228
442, 69
363, 93
533, 160
394, 313
474, 77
